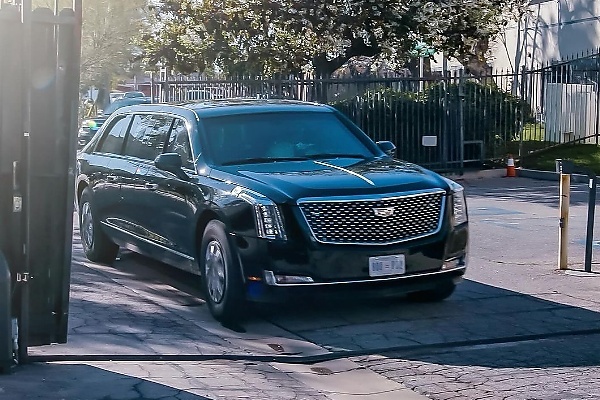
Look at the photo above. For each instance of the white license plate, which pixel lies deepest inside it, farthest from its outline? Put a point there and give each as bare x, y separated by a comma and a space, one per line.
387, 265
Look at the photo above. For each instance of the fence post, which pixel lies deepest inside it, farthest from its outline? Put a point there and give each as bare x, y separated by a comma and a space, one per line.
461, 119
597, 106
523, 105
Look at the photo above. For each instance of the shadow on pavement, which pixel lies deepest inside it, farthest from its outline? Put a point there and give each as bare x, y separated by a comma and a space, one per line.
83, 382
476, 316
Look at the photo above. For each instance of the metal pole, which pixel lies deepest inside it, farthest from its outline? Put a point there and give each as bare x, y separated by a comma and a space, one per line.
564, 200
23, 277
522, 116
6, 343
151, 87
589, 238
461, 119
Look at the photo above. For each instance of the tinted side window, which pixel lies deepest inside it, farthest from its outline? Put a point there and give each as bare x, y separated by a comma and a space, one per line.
147, 136
113, 139
179, 143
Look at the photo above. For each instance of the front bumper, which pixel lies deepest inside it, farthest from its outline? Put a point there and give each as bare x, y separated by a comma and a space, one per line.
258, 291
333, 269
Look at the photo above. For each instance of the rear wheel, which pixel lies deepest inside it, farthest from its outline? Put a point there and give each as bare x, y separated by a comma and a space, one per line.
221, 275
439, 293
96, 244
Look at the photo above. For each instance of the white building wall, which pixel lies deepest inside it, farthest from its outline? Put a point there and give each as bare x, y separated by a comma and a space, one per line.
553, 30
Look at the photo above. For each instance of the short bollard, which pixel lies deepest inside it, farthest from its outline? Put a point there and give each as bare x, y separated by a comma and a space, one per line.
565, 168
6, 348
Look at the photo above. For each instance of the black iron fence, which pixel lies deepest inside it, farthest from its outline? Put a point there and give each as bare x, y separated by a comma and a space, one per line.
444, 122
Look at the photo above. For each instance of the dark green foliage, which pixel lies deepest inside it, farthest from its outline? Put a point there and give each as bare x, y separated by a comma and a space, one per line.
488, 110
490, 115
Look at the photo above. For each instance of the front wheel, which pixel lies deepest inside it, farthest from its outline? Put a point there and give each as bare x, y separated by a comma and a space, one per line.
221, 275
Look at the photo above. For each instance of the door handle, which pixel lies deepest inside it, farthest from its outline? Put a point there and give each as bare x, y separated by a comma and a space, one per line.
151, 186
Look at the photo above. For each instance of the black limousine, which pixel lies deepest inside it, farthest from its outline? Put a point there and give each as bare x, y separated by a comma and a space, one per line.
269, 199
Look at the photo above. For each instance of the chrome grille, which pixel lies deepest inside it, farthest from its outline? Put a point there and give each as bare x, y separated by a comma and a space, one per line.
354, 221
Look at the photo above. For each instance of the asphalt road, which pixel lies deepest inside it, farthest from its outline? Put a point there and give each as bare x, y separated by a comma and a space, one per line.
515, 329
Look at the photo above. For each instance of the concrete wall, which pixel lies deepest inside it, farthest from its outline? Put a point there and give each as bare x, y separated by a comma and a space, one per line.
553, 30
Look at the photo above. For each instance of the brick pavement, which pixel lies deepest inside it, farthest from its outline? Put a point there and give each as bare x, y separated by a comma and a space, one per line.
471, 346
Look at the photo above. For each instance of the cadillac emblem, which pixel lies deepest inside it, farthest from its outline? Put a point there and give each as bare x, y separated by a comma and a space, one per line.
384, 212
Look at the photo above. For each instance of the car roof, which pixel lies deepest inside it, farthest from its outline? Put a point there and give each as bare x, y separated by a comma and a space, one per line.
219, 107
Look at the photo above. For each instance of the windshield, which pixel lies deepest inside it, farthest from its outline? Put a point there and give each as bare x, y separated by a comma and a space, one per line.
281, 136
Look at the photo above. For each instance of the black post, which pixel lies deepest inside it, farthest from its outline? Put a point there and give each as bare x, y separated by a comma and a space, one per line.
590, 222
6, 348
23, 276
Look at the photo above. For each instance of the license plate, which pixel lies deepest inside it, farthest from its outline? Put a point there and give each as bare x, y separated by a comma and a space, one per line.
387, 265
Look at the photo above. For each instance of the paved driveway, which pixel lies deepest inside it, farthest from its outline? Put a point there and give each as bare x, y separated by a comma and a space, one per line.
516, 328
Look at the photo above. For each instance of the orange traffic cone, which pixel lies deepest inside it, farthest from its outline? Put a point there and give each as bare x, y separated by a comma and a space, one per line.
510, 167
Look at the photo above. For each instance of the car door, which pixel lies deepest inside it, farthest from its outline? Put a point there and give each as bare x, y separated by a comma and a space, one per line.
170, 198
145, 140
102, 170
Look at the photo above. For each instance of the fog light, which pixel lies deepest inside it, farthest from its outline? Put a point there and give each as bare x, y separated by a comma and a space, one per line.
454, 263
272, 279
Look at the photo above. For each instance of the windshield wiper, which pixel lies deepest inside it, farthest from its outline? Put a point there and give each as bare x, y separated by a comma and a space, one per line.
258, 160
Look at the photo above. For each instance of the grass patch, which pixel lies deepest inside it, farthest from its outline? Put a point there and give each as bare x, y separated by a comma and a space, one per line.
585, 155
533, 132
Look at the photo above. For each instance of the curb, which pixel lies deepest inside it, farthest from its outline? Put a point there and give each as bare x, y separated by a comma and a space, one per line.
549, 175
521, 172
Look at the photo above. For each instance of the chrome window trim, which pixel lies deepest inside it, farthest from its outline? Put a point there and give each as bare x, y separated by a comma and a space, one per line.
392, 278
392, 196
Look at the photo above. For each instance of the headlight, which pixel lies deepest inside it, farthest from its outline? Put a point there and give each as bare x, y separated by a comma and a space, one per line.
459, 203
269, 223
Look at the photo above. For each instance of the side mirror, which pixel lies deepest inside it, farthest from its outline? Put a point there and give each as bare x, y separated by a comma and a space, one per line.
387, 147
171, 162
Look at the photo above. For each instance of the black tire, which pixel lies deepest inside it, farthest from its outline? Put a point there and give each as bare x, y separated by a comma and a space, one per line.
96, 244
439, 293
221, 275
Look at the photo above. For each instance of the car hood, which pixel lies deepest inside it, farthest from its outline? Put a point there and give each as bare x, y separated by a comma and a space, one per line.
292, 180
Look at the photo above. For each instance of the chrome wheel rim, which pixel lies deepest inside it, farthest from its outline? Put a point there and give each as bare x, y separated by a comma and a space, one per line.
87, 226
215, 271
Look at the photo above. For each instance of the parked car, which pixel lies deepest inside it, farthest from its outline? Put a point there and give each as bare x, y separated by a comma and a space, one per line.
112, 96
133, 95
90, 126
269, 199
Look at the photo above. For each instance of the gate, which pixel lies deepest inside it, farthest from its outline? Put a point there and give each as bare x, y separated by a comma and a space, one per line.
444, 122
39, 91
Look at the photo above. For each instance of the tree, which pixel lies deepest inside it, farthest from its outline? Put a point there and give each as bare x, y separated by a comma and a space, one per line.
108, 32
467, 27
266, 36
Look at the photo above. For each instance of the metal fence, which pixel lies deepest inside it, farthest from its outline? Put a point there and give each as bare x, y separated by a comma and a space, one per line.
443, 122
